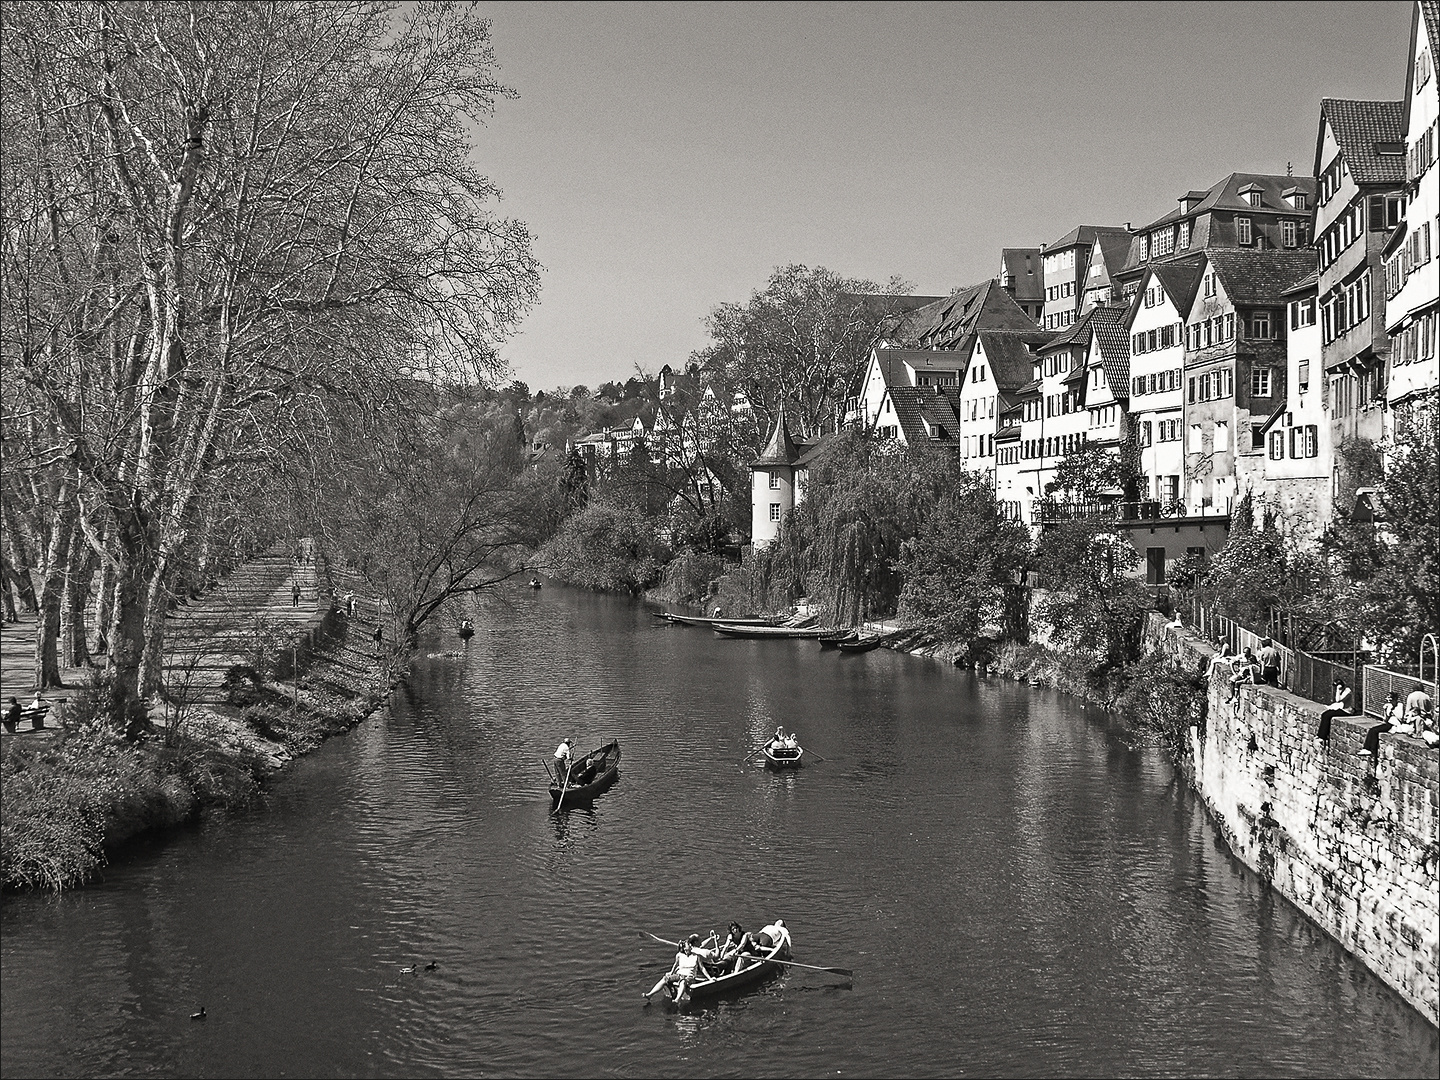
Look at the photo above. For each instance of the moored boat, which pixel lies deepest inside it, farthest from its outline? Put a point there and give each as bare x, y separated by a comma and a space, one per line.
738, 630
590, 775
862, 644
700, 620
832, 639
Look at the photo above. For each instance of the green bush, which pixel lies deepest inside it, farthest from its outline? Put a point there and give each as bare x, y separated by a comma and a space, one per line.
606, 547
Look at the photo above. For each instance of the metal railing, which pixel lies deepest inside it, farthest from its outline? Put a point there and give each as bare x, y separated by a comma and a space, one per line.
1059, 511
1380, 681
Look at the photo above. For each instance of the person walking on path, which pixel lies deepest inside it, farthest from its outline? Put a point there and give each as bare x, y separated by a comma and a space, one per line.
295, 594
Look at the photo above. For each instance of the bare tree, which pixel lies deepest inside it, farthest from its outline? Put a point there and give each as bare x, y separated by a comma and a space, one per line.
224, 222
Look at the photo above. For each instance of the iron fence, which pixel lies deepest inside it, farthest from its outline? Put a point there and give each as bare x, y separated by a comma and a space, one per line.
1380, 681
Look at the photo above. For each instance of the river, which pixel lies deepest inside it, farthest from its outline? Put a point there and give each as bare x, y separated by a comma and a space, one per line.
1018, 891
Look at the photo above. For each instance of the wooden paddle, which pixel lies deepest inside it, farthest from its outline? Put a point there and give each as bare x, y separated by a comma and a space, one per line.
791, 963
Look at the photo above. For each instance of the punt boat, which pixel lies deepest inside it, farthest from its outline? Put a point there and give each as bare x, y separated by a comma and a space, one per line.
863, 644
739, 630
833, 638
597, 770
698, 620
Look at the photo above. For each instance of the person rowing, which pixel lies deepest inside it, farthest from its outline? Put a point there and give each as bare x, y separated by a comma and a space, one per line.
687, 970
736, 947
778, 741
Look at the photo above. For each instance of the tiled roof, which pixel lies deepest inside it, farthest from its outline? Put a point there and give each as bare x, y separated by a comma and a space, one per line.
1109, 327
1085, 234
1430, 12
1255, 277
916, 404
1359, 128
1225, 195
945, 323
1309, 281
1076, 333
1181, 279
810, 451
1008, 354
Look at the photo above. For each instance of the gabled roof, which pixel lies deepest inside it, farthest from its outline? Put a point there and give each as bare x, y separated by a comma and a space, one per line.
1085, 235
1076, 333
1305, 284
1108, 324
1180, 280
1361, 128
809, 452
914, 405
1114, 249
1257, 277
891, 362
1008, 353
780, 449
945, 323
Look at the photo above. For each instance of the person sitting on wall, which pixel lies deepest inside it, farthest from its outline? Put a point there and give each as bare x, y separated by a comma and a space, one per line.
1246, 668
1391, 717
1420, 715
1339, 707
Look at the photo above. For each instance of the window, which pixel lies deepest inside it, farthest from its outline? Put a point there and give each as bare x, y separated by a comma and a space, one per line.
1184, 234
1257, 436
1277, 444
1298, 200
1312, 441
774, 511
1260, 382
1145, 432
1197, 439
1210, 284
774, 480
1229, 330
1302, 313
1302, 375
1260, 325
1242, 231
1287, 233
1155, 566
1222, 436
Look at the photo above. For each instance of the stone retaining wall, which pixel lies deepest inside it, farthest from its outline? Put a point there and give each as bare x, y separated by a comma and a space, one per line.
1351, 841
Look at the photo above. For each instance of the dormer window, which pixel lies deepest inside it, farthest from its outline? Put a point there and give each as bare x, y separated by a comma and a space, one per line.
1299, 201
1253, 198
1184, 234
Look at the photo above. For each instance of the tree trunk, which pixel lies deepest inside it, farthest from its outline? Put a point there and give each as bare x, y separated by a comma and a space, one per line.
19, 562
52, 588
151, 676
127, 629
7, 575
74, 649
104, 606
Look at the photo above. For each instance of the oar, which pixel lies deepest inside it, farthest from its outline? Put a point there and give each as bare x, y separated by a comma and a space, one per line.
547, 770
816, 756
791, 963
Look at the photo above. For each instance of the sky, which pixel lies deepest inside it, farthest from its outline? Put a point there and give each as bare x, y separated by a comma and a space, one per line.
668, 156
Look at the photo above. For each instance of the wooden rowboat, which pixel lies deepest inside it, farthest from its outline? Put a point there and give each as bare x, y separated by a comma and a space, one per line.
834, 638
736, 980
698, 620
606, 771
738, 630
864, 644
783, 757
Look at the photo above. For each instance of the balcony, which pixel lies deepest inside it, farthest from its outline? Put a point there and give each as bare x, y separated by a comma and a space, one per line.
1048, 513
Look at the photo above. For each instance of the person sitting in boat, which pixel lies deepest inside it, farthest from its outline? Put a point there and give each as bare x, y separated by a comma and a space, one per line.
687, 970
584, 772
772, 935
707, 950
735, 945
790, 742
778, 741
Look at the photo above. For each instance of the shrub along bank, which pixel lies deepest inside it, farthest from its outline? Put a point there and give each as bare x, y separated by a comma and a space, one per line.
109, 775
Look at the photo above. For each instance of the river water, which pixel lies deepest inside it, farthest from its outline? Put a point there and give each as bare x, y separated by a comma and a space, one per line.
1018, 892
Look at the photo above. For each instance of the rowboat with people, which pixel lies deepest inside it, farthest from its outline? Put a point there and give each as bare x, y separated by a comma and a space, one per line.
587, 777
762, 955
783, 757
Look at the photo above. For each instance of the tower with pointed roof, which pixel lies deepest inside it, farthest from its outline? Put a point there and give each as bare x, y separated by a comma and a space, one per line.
772, 483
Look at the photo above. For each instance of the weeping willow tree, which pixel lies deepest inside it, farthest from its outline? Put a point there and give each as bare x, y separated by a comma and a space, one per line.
842, 546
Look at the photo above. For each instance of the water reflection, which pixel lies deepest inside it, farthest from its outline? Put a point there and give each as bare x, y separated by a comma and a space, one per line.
1018, 890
